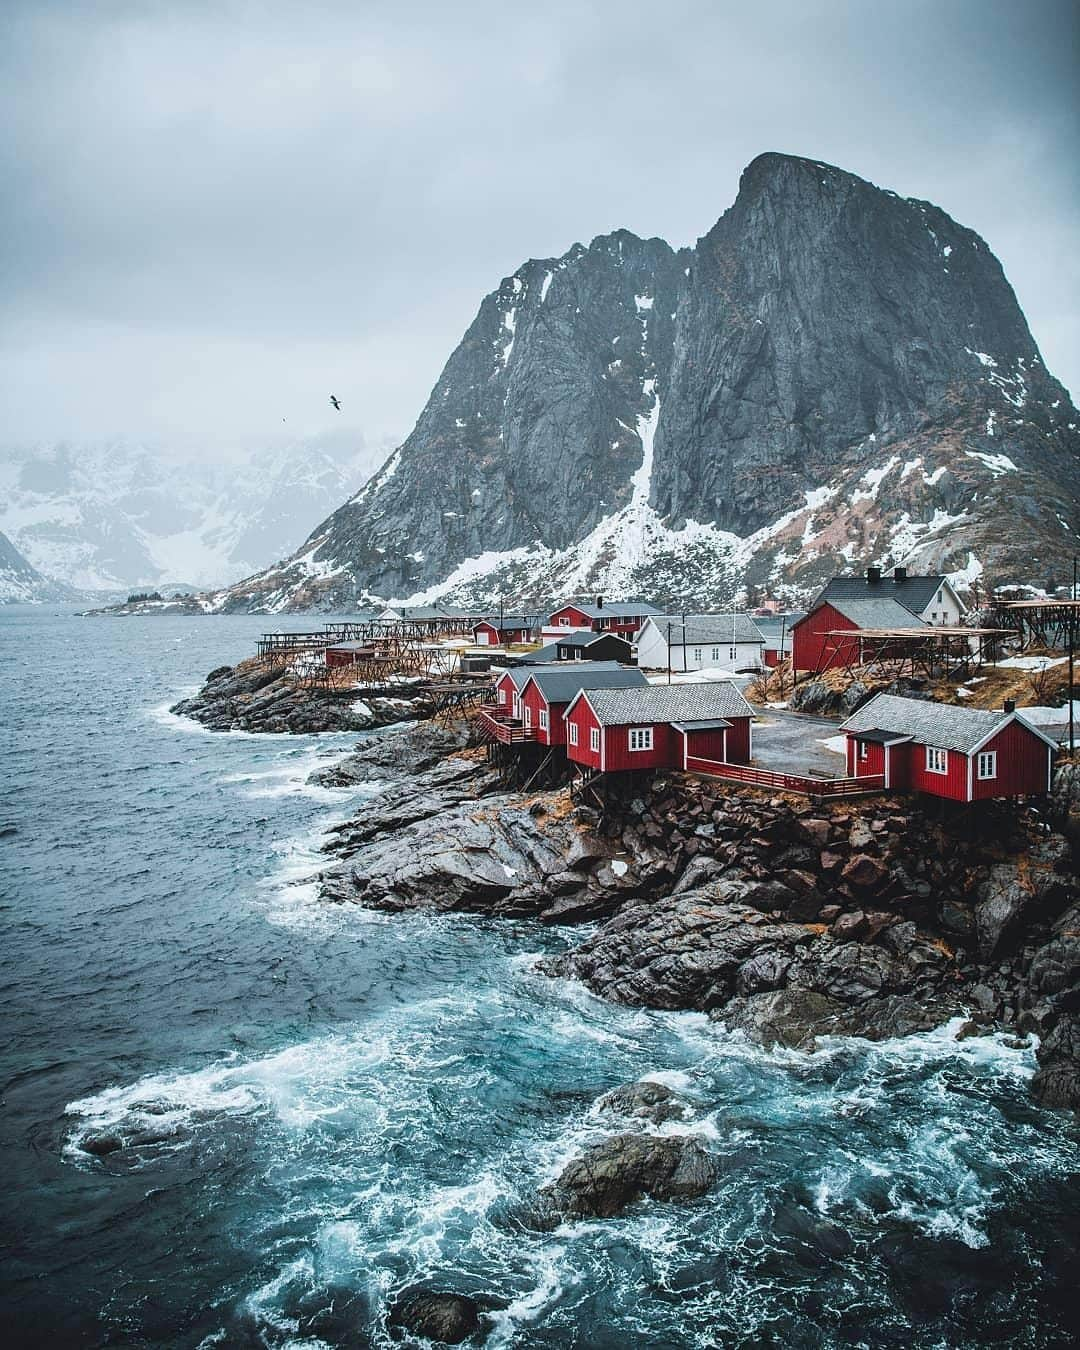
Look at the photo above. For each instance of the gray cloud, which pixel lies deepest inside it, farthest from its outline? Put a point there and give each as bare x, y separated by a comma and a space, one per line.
216, 213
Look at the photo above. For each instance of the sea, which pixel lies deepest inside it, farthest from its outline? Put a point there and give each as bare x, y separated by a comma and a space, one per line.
324, 1107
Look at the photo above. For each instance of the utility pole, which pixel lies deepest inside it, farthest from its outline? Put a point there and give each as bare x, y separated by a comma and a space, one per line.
780, 662
669, 651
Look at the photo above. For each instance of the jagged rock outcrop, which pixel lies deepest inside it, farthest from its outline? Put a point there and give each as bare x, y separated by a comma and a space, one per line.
615, 1172
22, 584
832, 372
252, 696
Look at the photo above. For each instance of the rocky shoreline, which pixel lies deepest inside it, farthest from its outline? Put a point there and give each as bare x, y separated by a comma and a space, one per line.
785, 919
253, 697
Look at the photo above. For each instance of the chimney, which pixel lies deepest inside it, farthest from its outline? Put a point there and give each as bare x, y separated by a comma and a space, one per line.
899, 574
599, 602
873, 575
1009, 706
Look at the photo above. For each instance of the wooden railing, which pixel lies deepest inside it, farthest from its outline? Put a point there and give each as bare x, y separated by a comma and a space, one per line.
506, 730
786, 782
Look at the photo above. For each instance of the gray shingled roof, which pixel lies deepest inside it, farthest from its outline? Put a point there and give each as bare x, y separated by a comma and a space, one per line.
582, 638
618, 609
561, 684
504, 621
884, 612
707, 628
939, 724
772, 626
683, 703
915, 592
542, 656
519, 674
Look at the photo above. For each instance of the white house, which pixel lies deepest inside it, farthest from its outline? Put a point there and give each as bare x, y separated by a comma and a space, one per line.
699, 641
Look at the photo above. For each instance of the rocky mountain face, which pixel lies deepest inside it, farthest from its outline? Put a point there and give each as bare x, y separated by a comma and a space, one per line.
22, 584
833, 375
105, 517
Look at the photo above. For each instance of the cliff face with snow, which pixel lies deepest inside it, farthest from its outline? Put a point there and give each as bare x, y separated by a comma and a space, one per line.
22, 584
116, 516
833, 374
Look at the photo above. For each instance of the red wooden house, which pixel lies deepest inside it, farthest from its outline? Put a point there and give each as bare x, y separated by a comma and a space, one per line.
623, 618
498, 630
548, 692
660, 726
508, 687
962, 754
812, 647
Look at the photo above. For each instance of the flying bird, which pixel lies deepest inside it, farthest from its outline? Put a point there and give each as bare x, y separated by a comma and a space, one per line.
333, 400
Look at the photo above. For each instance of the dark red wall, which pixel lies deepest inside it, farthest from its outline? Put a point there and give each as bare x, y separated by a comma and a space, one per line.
1021, 765
808, 639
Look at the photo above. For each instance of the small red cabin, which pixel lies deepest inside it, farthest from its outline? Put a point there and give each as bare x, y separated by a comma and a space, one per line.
814, 641
961, 754
348, 653
659, 727
547, 693
499, 630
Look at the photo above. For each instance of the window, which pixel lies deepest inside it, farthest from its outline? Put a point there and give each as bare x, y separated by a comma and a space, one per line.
987, 764
864, 749
528, 716
715, 654
641, 738
571, 732
565, 621
594, 739
937, 761
544, 719
733, 653
517, 705
697, 653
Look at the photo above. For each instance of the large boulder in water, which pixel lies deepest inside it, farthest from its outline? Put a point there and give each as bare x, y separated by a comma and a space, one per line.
438, 1316
618, 1170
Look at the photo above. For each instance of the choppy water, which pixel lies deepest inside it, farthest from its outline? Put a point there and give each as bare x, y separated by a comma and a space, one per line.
336, 1104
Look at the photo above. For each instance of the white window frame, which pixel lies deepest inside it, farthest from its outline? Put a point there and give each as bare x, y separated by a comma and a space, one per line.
640, 738
733, 653
528, 718
517, 705
571, 732
697, 653
594, 740
544, 724
564, 621
986, 765
715, 654
864, 749
937, 760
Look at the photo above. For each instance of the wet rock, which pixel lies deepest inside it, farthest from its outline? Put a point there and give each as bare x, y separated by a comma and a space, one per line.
793, 1018
645, 1100
445, 1318
623, 1168
100, 1145
864, 872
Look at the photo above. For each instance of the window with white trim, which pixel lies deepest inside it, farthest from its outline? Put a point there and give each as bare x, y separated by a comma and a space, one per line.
564, 621
571, 732
733, 653
517, 705
937, 761
864, 749
544, 724
697, 653
986, 765
594, 740
641, 738
528, 717
715, 654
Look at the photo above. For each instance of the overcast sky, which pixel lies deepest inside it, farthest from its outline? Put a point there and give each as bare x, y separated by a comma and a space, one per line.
215, 214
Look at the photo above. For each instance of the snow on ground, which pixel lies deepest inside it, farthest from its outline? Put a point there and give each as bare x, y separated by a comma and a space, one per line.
1031, 662
837, 744
710, 675
997, 464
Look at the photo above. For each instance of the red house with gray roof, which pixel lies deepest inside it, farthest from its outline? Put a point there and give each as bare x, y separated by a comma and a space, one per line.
659, 726
547, 693
961, 754
813, 637
623, 618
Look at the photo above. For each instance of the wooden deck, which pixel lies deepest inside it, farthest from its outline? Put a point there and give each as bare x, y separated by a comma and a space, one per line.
505, 730
787, 782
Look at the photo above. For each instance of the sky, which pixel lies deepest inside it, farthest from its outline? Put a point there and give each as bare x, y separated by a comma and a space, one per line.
215, 215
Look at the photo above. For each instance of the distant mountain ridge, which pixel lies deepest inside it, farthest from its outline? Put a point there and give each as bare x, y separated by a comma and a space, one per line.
833, 374
118, 515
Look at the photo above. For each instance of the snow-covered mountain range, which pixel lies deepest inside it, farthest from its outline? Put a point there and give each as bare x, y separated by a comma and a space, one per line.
832, 375
22, 584
118, 515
